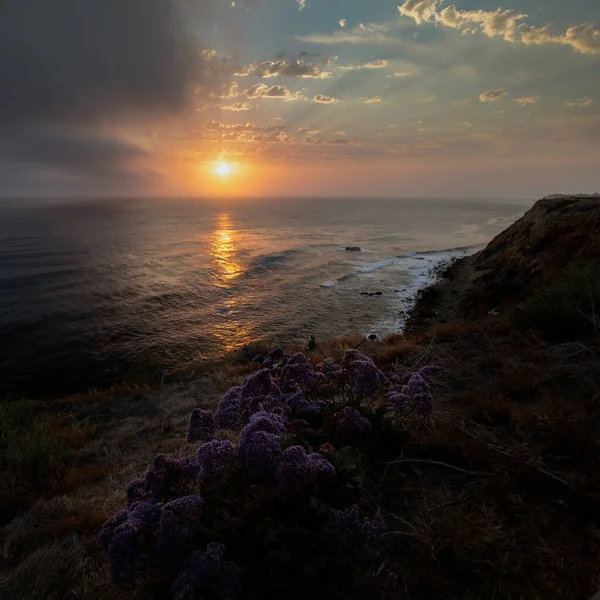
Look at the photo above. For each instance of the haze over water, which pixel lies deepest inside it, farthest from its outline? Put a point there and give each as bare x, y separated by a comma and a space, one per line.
92, 291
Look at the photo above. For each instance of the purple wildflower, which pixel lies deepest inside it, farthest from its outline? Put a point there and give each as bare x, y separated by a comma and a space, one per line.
137, 491
262, 421
273, 358
296, 402
429, 370
361, 374
176, 528
322, 468
208, 576
352, 536
313, 412
297, 469
130, 544
330, 369
414, 392
216, 460
352, 422
201, 427
170, 477
258, 385
228, 415
298, 373
262, 453
108, 529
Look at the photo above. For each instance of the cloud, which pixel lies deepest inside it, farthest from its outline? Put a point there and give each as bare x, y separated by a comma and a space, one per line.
320, 99
227, 91
493, 95
507, 24
246, 132
372, 34
373, 100
66, 67
247, 126
581, 102
525, 100
91, 57
295, 68
260, 90
237, 107
377, 64
400, 74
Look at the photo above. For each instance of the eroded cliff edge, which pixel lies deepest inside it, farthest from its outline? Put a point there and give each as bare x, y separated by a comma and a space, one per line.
558, 233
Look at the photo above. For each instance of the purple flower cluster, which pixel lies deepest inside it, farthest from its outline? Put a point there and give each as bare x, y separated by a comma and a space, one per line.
229, 415
128, 538
208, 576
176, 528
330, 369
298, 373
351, 536
137, 491
298, 469
169, 478
216, 459
259, 385
262, 421
414, 392
262, 453
352, 422
361, 375
273, 358
201, 427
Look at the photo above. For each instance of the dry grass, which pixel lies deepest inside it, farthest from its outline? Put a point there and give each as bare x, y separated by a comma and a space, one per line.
497, 497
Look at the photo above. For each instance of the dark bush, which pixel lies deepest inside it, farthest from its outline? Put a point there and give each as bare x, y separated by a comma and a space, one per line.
567, 309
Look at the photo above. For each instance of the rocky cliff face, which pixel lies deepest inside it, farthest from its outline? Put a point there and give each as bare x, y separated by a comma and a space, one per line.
557, 233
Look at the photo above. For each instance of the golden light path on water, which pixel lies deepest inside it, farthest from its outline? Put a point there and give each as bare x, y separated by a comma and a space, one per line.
230, 330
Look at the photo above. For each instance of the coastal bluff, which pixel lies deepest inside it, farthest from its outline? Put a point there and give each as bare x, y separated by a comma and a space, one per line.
556, 234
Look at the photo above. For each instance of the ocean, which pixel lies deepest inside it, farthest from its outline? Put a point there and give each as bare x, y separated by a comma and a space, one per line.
92, 292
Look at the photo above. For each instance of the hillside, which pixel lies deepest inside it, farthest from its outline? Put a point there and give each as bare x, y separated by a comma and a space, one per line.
556, 234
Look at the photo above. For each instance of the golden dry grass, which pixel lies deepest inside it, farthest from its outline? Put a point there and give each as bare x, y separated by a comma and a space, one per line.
521, 418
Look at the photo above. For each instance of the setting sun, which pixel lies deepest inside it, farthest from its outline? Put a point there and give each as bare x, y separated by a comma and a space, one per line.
223, 169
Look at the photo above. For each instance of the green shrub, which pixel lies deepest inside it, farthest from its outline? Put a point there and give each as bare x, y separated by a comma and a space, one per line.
567, 309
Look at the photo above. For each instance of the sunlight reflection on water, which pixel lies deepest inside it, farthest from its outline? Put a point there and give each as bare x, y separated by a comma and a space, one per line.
228, 329
223, 252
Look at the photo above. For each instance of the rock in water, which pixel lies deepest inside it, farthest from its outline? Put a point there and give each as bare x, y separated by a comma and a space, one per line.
353, 249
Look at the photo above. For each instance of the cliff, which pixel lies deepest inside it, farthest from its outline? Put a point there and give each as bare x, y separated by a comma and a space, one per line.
556, 234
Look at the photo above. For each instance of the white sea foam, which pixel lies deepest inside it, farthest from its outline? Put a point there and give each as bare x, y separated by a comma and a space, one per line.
368, 268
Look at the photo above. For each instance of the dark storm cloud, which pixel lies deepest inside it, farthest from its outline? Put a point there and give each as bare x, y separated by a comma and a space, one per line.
68, 65
56, 146
81, 59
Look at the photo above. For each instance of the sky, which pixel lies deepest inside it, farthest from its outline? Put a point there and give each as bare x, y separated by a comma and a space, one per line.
213, 98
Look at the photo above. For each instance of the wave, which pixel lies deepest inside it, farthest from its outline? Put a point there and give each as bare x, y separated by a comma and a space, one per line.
269, 262
413, 261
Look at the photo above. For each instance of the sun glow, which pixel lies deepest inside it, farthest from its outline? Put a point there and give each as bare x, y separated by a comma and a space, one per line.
223, 169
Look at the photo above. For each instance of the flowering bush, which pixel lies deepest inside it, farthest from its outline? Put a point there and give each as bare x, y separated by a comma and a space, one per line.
280, 510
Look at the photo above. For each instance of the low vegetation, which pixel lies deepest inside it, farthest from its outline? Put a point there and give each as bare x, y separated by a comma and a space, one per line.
494, 493
568, 309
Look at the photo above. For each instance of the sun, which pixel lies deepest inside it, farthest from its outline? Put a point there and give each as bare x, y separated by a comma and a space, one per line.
223, 169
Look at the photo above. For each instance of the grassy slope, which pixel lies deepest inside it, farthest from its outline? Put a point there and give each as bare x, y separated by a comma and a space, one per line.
496, 497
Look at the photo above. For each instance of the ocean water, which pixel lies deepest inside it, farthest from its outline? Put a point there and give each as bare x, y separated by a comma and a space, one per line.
92, 291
